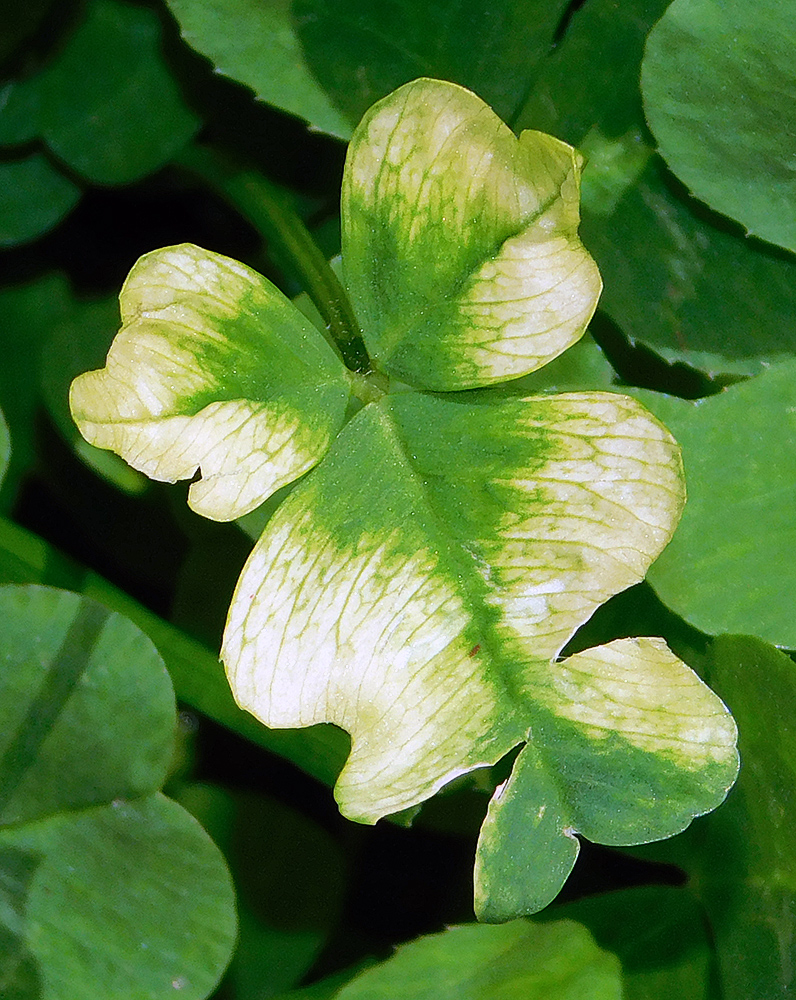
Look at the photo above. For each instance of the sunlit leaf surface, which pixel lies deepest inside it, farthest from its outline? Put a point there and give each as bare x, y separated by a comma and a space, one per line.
461, 251
214, 370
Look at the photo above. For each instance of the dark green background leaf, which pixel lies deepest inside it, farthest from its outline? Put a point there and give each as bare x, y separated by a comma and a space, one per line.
749, 852
289, 875
360, 51
327, 61
125, 117
657, 932
676, 277
741, 859
88, 725
730, 566
719, 85
34, 197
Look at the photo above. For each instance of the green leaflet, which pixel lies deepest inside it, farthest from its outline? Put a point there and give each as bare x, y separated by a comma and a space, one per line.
511, 286
719, 85
521, 961
213, 369
90, 850
740, 459
418, 586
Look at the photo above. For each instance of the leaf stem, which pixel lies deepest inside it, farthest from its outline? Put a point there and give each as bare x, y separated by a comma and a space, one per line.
268, 208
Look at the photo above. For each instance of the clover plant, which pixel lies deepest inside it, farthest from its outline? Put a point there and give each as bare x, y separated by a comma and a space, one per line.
447, 529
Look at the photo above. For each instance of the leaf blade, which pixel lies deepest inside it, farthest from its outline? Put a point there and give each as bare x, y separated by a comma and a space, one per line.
503, 297
214, 369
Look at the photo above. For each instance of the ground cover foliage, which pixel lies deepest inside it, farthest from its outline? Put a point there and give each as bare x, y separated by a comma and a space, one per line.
451, 507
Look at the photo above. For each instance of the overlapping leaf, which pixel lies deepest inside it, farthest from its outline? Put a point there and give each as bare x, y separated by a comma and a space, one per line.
90, 851
677, 277
327, 61
719, 87
729, 568
417, 588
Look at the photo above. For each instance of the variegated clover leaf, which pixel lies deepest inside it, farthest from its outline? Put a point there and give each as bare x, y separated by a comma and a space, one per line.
417, 588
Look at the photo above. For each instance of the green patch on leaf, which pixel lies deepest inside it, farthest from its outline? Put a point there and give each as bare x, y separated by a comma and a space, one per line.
719, 85
89, 849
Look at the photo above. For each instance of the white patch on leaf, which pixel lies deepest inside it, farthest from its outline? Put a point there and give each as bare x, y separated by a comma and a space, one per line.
372, 639
639, 689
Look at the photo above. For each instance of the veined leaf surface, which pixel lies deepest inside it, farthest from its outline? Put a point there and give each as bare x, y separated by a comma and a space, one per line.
460, 245
417, 588
213, 369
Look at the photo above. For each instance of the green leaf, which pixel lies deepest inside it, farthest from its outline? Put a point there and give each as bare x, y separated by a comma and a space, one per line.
748, 858
360, 51
256, 43
28, 311
19, 112
34, 197
503, 296
213, 369
519, 961
327, 62
659, 935
719, 86
676, 278
124, 119
729, 566
289, 873
87, 732
195, 671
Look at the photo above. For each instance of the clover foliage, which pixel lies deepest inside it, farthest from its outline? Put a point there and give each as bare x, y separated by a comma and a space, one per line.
420, 582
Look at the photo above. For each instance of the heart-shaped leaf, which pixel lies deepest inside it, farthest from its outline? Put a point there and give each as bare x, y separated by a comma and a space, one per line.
90, 851
417, 588
510, 286
213, 369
